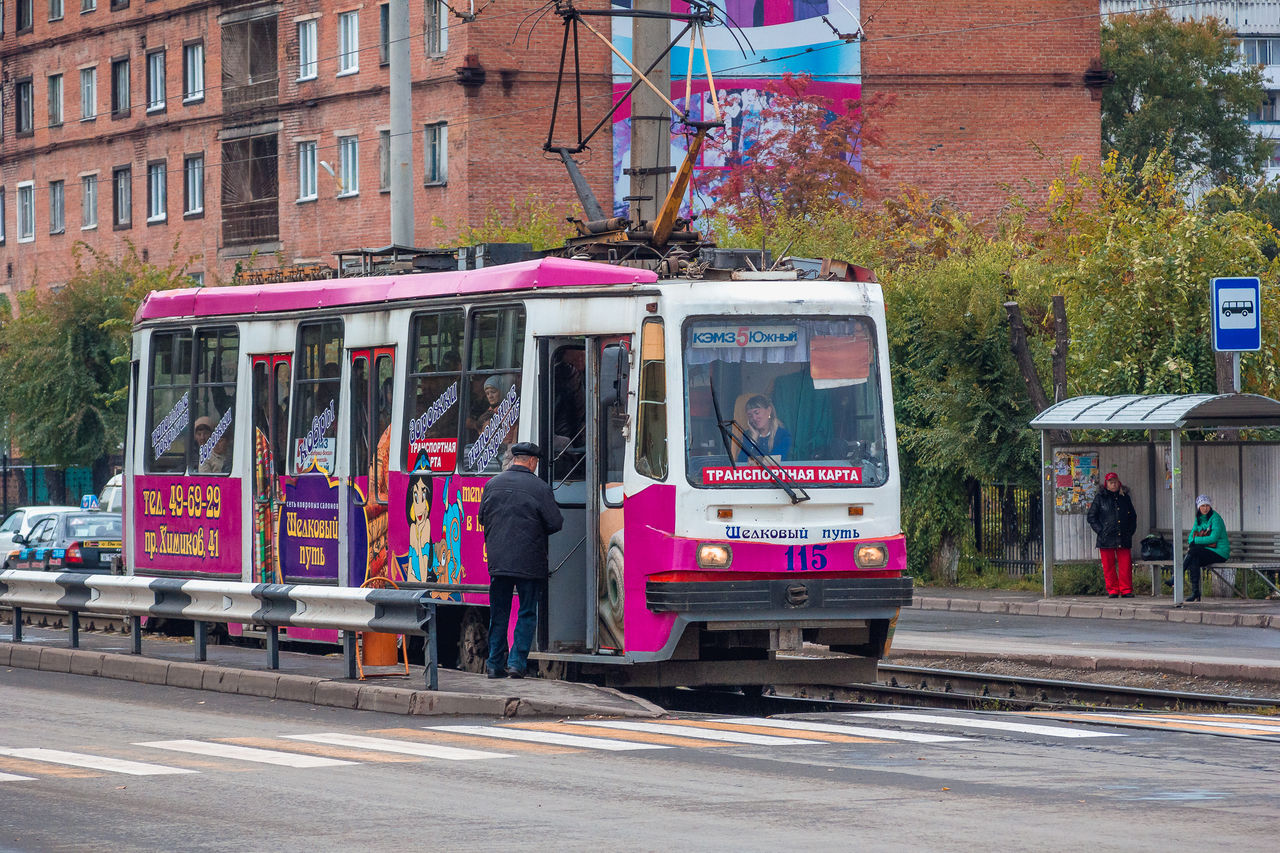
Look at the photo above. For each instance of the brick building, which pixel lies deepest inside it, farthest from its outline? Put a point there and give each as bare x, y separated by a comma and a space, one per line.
255, 133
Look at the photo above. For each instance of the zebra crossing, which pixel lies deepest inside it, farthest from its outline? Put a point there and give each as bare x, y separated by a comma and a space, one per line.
512, 739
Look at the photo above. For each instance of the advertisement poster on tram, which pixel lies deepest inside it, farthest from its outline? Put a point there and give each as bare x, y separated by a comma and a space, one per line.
309, 528
188, 525
441, 541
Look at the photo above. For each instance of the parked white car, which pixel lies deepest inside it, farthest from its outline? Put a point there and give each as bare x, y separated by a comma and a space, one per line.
21, 520
112, 497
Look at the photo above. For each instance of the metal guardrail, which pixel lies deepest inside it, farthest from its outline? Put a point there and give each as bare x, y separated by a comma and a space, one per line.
274, 606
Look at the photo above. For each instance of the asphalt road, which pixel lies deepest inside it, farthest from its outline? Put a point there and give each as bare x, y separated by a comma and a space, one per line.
209, 771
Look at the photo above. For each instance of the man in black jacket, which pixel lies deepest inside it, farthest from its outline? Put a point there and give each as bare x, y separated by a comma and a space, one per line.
518, 512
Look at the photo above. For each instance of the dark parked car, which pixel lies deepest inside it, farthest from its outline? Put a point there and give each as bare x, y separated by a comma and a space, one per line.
70, 542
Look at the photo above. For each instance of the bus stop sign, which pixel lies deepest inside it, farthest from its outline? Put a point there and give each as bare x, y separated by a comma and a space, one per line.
1237, 320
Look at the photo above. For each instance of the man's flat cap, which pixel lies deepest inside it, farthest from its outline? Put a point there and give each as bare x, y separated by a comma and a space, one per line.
526, 448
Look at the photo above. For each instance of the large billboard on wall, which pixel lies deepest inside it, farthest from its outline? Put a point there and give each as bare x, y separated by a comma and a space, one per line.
765, 40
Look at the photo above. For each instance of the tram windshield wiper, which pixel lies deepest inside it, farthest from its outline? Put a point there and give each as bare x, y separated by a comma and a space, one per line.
747, 444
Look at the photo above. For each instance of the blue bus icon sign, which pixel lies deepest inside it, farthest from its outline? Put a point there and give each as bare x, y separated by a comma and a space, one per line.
1235, 304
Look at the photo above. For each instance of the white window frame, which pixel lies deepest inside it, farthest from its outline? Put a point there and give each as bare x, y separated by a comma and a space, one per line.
56, 10
57, 207
437, 27
121, 86
307, 170
193, 72
88, 6
348, 43
348, 166
155, 81
89, 93
3, 212
122, 191
29, 86
88, 202
193, 184
55, 100
435, 149
157, 192
308, 65
27, 212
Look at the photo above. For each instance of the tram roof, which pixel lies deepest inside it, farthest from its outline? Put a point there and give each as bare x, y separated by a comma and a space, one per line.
307, 295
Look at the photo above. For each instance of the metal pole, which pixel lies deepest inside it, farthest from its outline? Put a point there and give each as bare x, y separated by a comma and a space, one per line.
75, 629
201, 638
650, 164
273, 647
1046, 510
433, 651
17, 624
349, 652
135, 627
402, 133
1175, 483
1235, 372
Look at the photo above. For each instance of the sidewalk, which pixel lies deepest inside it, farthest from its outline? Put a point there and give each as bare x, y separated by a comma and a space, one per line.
310, 678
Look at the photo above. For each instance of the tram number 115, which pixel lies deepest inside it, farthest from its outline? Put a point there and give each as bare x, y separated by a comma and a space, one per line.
802, 558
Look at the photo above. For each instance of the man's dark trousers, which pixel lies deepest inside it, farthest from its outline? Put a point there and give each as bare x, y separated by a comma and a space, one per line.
500, 589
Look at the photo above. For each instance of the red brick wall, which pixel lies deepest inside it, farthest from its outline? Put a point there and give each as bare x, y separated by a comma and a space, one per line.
986, 95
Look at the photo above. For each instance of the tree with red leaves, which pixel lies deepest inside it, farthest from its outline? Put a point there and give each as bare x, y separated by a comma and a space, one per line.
808, 156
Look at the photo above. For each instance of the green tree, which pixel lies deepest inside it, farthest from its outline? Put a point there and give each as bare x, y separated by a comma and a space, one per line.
1181, 85
64, 357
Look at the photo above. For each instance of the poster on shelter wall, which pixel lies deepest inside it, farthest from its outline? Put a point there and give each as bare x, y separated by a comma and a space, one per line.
1075, 481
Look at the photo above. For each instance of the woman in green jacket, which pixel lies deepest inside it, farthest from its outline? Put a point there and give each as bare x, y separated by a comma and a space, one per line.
1207, 543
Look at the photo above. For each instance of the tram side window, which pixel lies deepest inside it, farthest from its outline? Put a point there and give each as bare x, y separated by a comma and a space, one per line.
313, 434
169, 403
217, 357
435, 386
651, 432
494, 360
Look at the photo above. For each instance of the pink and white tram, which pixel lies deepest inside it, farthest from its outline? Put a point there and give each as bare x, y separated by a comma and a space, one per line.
723, 452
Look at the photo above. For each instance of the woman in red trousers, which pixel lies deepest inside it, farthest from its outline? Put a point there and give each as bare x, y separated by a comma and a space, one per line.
1112, 517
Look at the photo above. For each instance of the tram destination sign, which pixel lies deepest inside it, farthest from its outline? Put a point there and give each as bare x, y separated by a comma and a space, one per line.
746, 336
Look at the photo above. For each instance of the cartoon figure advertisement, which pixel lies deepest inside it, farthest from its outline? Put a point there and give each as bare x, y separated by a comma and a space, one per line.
441, 541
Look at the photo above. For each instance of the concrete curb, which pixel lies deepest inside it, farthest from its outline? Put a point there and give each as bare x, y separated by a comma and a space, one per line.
1078, 610
301, 688
1263, 673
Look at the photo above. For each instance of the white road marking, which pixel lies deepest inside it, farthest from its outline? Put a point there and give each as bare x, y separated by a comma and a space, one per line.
858, 731
93, 762
1213, 724
975, 723
12, 777
554, 738
696, 732
245, 753
402, 747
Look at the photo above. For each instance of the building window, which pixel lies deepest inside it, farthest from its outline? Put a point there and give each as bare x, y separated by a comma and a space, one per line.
1260, 51
88, 93
122, 197
2, 216
157, 185
24, 118
88, 6
88, 202
384, 34
197, 277
57, 208
384, 160
119, 4
250, 190
55, 100
24, 14
348, 166
26, 212
120, 87
306, 171
437, 27
250, 74
348, 43
193, 72
155, 81
55, 10
436, 160
307, 50
193, 185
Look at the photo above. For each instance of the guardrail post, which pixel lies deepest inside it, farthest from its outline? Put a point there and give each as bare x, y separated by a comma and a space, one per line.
75, 629
349, 652
17, 624
201, 638
433, 650
135, 628
273, 647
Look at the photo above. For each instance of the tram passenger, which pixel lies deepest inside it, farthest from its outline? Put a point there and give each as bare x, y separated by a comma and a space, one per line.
495, 390
764, 428
217, 460
518, 512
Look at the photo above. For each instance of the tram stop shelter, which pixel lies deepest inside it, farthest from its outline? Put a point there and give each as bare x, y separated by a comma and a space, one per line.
1174, 413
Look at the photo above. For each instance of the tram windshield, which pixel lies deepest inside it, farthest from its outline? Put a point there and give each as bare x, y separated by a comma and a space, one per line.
797, 398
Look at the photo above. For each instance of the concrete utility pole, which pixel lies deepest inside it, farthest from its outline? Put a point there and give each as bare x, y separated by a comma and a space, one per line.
402, 185
650, 165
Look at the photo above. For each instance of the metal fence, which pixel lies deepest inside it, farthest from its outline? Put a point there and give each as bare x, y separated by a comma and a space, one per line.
22, 484
1007, 529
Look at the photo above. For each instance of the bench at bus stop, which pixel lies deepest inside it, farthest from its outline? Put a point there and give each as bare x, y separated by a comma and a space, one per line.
1252, 553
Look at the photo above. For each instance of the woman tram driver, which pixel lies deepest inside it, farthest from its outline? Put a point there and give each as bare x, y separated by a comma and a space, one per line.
770, 437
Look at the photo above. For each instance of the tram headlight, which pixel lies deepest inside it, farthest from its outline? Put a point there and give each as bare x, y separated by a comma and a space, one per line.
871, 557
714, 556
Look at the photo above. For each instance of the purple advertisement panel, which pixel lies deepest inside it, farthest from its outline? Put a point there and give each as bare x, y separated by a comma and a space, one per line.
309, 528
187, 525
434, 535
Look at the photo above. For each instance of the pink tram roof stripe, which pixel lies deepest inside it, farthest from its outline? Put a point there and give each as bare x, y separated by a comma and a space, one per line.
298, 296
